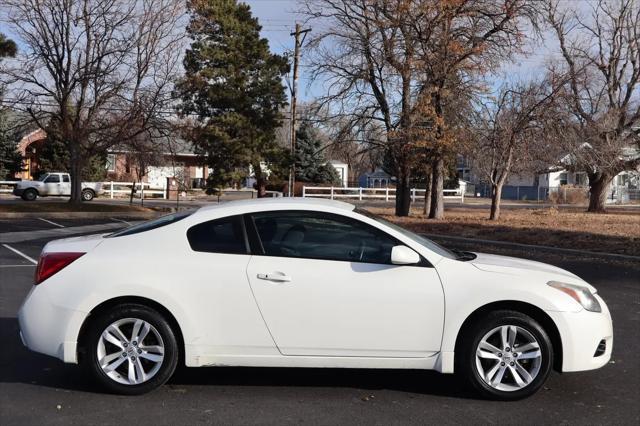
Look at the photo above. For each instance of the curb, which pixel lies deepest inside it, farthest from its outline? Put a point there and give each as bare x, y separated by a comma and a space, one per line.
82, 215
534, 247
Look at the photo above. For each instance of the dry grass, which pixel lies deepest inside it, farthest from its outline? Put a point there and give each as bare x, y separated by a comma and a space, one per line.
616, 232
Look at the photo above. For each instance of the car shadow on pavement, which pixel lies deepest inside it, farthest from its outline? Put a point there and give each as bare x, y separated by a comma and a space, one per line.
20, 365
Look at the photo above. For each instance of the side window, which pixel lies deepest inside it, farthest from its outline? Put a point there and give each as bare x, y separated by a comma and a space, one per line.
224, 235
52, 179
316, 235
65, 178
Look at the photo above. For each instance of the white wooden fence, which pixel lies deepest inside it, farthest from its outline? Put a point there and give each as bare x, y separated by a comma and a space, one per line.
359, 193
142, 189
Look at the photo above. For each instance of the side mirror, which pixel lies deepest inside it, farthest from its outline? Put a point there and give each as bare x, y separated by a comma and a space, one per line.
403, 255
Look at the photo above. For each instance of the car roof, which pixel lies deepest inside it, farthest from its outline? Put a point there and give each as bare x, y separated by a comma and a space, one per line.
281, 202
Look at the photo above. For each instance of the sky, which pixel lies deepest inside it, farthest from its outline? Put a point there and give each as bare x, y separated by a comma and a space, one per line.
278, 19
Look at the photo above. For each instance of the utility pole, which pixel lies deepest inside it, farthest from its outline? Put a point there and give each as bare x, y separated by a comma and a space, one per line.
294, 97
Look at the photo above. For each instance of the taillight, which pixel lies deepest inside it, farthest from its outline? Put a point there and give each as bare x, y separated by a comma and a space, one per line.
51, 263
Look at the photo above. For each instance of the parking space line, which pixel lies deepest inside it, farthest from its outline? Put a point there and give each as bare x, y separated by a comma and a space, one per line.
48, 221
17, 266
120, 220
30, 259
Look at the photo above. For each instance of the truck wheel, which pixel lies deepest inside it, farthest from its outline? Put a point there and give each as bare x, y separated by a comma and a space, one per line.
87, 195
29, 195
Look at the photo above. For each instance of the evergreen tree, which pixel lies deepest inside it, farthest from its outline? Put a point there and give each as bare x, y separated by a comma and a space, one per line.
233, 83
311, 163
10, 158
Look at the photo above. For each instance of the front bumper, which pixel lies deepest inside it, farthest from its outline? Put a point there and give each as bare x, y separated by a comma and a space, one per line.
581, 334
47, 328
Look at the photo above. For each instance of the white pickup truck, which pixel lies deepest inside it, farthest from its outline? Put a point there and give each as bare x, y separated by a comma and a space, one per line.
56, 184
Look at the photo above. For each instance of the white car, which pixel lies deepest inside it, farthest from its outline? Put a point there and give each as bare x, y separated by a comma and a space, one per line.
306, 283
56, 184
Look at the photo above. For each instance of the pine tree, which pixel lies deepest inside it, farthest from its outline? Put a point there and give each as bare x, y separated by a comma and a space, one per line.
311, 163
233, 84
10, 158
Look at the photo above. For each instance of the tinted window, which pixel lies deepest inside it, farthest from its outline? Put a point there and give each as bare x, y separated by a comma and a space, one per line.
65, 178
152, 224
322, 236
224, 235
52, 179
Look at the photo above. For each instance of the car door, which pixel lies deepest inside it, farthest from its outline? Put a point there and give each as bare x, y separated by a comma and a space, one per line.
65, 186
52, 184
326, 287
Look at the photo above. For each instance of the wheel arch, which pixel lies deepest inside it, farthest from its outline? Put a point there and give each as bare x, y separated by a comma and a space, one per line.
526, 308
116, 301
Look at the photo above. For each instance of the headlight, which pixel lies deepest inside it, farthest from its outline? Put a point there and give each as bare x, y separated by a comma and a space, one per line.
580, 294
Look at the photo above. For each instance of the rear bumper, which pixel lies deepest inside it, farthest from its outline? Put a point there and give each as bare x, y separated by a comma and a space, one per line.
581, 334
47, 328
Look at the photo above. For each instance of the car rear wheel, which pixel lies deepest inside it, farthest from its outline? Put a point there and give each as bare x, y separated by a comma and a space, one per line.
29, 195
506, 356
131, 349
87, 195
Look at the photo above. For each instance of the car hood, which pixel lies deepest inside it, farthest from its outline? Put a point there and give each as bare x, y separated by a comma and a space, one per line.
523, 267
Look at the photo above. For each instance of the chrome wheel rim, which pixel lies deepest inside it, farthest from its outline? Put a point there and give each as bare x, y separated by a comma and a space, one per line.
130, 351
508, 358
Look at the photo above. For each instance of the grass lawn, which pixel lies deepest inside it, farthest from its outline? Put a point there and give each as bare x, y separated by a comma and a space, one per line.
614, 232
48, 207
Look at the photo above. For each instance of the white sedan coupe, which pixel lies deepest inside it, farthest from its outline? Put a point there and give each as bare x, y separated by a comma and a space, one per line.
306, 283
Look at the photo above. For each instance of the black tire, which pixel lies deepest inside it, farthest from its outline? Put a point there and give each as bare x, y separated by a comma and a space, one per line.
130, 311
466, 363
29, 195
87, 195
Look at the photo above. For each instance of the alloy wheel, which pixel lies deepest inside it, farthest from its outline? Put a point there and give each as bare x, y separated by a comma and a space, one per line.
508, 358
130, 351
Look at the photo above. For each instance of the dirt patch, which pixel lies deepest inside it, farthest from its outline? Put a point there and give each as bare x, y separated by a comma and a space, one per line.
615, 232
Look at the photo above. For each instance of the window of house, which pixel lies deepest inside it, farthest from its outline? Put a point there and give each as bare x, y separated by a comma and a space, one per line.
224, 235
563, 178
316, 235
581, 179
111, 163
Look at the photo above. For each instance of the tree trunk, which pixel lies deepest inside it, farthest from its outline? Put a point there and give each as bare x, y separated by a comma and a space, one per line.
427, 193
436, 210
261, 182
496, 197
76, 175
598, 188
403, 194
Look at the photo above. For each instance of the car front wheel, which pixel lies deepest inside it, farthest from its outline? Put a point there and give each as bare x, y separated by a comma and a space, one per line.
29, 195
131, 349
508, 356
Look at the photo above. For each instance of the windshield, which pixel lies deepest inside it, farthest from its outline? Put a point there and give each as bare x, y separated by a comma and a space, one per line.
425, 242
152, 224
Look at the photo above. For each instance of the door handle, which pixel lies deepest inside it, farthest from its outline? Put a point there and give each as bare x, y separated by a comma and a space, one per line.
275, 277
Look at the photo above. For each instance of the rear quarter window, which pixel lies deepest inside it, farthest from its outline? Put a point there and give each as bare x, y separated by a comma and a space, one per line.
225, 235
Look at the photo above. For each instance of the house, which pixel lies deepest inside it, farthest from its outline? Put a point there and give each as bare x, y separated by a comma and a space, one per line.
625, 186
171, 158
30, 146
376, 179
343, 171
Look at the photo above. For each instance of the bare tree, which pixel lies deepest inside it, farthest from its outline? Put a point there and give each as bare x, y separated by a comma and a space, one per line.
508, 135
601, 59
96, 72
398, 62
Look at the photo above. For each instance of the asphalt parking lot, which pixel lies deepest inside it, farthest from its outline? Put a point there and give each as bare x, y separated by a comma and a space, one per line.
36, 389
